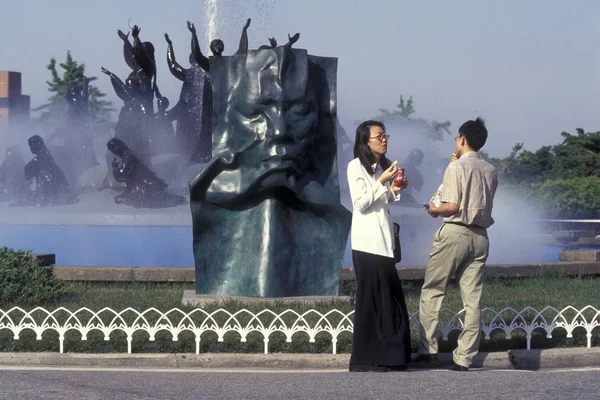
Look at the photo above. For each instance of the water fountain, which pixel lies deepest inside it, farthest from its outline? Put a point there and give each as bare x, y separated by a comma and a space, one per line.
96, 231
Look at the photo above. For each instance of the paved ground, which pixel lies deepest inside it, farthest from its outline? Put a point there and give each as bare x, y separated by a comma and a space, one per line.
514, 359
132, 384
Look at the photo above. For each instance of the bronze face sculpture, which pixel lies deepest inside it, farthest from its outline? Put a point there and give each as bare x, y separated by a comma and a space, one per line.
267, 217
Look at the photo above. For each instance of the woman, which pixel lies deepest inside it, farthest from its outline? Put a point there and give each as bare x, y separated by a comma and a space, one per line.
381, 340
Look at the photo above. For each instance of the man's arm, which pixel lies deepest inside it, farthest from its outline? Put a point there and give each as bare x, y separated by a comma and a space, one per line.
445, 210
451, 192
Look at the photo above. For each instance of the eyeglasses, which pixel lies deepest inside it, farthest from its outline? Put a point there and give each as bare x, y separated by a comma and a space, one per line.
380, 137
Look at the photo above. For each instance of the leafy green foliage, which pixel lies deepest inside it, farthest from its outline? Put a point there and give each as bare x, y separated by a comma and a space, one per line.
73, 73
562, 180
568, 198
578, 156
23, 281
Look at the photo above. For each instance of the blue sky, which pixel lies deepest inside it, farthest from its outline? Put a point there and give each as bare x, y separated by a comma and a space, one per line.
530, 67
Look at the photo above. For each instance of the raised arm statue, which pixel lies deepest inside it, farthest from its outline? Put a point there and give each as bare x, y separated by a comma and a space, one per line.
243, 47
200, 58
191, 127
176, 70
144, 53
272, 44
118, 85
128, 51
140, 58
134, 117
292, 39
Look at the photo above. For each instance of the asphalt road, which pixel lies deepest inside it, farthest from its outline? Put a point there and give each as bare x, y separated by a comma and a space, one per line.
180, 384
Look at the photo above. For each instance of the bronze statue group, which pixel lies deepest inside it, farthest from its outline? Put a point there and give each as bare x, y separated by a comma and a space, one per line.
139, 134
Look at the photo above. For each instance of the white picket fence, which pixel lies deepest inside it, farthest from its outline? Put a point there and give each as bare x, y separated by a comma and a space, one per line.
266, 322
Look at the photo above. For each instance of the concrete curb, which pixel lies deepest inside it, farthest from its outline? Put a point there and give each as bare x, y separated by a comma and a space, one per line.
555, 358
188, 274
513, 359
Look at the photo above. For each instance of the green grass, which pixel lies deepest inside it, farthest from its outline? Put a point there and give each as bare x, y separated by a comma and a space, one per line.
547, 290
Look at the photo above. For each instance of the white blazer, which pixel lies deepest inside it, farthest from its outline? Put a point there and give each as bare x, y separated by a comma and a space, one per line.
372, 229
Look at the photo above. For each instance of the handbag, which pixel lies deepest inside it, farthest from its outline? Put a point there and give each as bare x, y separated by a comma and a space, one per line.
397, 248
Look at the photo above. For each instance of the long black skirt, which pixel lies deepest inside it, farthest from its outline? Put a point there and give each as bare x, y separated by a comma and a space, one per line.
381, 328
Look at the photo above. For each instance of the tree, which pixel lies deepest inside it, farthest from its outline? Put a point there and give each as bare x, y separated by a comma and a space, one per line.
562, 180
74, 73
402, 114
578, 155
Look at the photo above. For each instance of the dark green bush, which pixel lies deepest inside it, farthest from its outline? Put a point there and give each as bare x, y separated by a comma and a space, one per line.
568, 198
24, 282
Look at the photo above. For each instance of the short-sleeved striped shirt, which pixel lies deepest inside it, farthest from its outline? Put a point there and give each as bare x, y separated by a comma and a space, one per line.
470, 182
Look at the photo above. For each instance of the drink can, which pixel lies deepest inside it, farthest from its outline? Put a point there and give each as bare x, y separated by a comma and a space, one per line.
399, 177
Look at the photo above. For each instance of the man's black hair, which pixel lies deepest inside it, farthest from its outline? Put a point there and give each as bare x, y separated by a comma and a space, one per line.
475, 132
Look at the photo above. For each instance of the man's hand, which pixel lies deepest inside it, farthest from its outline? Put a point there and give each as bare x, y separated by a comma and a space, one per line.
247, 23
135, 31
432, 210
167, 39
191, 27
105, 71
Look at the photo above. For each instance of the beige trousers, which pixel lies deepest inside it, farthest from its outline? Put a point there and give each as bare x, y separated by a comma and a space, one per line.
461, 251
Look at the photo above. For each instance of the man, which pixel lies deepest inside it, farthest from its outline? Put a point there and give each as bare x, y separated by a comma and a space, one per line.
461, 245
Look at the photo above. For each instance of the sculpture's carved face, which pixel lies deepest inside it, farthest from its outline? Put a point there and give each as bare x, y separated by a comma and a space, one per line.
275, 113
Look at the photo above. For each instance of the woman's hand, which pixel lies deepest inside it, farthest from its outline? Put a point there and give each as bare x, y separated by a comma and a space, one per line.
389, 173
402, 186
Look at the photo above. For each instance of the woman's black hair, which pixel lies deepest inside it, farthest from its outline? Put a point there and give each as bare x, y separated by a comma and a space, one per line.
362, 149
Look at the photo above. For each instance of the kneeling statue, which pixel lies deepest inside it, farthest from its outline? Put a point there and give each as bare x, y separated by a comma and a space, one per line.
143, 189
51, 186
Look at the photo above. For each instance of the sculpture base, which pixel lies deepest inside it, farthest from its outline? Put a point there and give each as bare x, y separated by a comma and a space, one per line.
190, 298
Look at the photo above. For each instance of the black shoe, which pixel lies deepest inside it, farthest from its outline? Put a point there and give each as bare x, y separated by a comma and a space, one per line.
368, 368
426, 358
458, 368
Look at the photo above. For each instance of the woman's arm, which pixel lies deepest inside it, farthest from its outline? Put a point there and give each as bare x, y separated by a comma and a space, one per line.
363, 195
392, 195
